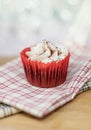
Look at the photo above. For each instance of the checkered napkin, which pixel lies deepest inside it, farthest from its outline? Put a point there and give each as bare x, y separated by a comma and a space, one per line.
17, 92
6, 110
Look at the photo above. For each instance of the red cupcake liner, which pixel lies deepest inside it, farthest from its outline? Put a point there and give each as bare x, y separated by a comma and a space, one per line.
44, 75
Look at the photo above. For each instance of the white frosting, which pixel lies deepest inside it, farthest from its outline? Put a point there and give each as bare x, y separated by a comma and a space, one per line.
47, 52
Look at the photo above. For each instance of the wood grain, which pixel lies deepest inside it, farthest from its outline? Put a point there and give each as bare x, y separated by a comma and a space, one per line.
75, 115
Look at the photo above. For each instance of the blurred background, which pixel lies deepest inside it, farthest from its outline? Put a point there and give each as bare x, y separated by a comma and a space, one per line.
24, 22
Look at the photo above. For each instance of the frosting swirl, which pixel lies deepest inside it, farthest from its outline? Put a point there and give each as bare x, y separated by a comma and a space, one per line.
47, 52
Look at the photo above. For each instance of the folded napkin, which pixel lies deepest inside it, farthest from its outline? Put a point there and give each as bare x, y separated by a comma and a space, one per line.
7, 110
17, 92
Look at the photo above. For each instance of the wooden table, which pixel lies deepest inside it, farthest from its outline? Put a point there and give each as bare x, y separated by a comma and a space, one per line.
75, 115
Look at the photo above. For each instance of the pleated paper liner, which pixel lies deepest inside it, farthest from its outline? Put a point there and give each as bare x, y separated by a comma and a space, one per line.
44, 75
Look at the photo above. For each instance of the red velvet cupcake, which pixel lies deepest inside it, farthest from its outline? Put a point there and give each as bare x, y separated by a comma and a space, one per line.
45, 64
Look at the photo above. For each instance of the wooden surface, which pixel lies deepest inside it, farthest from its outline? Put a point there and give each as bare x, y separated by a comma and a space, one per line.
75, 115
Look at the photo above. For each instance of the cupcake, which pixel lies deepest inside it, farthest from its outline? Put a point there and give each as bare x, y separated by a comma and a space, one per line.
45, 64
